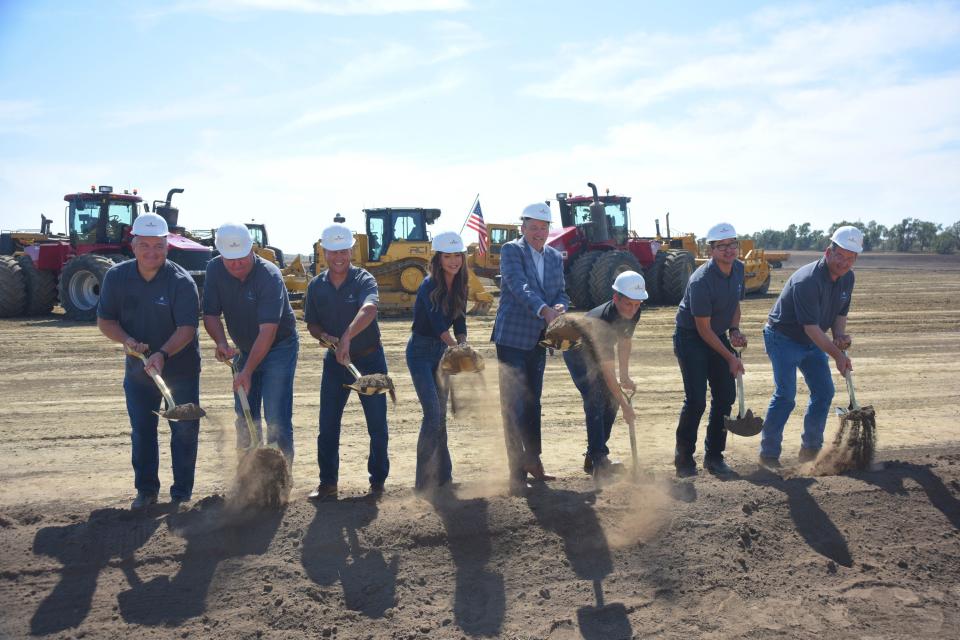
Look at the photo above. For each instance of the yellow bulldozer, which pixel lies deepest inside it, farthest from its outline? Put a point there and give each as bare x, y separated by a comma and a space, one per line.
487, 265
396, 250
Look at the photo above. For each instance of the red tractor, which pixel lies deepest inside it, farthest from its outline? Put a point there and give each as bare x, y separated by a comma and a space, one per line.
37, 268
597, 245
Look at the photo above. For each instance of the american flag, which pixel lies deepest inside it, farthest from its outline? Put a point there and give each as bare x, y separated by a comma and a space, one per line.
475, 222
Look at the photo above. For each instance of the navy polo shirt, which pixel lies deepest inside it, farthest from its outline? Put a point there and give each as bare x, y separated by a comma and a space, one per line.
335, 308
151, 311
607, 326
811, 297
431, 322
261, 298
711, 293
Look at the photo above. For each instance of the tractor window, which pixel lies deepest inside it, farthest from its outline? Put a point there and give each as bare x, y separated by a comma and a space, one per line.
375, 229
120, 216
256, 234
409, 226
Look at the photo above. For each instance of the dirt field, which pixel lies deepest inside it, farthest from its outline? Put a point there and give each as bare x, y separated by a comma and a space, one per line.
863, 555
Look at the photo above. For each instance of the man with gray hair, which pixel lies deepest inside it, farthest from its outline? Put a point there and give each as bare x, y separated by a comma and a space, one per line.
150, 305
815, 298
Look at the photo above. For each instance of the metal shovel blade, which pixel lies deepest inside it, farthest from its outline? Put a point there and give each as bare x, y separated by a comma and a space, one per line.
174, 412
746, 425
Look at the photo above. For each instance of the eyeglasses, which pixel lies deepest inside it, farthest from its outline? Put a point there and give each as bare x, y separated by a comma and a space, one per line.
727, 246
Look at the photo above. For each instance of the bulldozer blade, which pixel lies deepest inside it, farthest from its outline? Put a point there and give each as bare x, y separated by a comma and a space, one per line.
746, 425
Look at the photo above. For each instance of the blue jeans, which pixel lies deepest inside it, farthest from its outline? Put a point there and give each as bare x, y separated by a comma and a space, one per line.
599, 405
699, 364
271, 386
434, 467
787, 356
143, 398
333, 398
521, 383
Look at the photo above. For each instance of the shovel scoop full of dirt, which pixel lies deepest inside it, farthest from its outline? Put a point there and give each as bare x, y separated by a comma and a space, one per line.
374, 383
263, 480
187, 411
563, 333
461, 358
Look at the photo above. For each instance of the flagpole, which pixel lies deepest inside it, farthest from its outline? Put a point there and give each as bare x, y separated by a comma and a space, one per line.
469, 211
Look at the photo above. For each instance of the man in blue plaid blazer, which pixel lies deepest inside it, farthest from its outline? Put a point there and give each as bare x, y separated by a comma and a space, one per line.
532, 294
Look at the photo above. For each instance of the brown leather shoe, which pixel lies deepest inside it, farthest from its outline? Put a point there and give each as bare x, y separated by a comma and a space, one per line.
323, 491
535, 469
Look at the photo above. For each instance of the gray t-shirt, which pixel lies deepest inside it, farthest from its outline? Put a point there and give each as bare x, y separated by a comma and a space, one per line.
151, 311
335, 308
711, 293
811, 297
261, 298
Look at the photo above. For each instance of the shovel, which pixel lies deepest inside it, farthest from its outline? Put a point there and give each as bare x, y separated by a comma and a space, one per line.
173, 412
369, 385
245, 405
635, 469
859, 426
745, 424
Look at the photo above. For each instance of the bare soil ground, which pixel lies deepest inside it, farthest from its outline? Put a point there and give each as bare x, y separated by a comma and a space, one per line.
868, 554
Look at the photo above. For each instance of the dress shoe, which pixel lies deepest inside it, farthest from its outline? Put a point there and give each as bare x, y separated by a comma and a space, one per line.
807, 455
535, 469
587, 464
686, 466
770, 463
143, 500
717, 466
323, 491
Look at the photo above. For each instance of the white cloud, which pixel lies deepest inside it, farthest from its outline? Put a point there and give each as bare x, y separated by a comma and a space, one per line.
330, 7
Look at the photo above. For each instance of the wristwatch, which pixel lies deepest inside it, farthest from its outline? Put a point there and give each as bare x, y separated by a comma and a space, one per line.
732, 329
166, 356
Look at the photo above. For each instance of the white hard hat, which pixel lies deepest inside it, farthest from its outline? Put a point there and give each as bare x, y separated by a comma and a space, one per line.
632, 285
233, 240
849, 238
722, 231
149, 224
448, 242
337, 237
537, 211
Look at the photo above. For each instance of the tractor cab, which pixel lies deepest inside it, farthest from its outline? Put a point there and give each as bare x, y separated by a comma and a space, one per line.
607, 223
100, 220
386, 226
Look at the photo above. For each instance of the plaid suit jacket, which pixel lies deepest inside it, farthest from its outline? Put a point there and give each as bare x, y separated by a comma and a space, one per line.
522, 294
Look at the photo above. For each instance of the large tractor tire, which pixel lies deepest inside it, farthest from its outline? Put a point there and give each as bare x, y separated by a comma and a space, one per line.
13, 294
80, 283
41, 288
677, 269
653, 277
578, 283
605, 271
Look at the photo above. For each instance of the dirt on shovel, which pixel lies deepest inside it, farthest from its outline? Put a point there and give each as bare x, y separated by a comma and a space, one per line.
853, 447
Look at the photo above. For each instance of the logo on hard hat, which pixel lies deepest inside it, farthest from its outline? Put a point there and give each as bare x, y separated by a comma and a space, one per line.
338, 237
234, 244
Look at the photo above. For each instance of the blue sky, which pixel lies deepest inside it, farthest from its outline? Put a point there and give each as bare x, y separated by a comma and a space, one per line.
287, 111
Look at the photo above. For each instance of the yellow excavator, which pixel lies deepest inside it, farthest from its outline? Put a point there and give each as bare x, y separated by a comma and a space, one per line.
487, 265
396, 250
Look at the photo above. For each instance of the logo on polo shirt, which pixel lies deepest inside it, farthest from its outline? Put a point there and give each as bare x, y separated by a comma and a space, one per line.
351, 298
251, 296
844, 295
162, 300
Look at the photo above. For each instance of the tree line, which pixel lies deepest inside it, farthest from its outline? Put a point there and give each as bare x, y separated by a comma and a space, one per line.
912, 234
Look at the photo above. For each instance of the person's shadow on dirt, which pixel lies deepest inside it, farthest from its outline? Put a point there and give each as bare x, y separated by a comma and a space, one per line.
84, 549
479, 598
891, 480
571, 516
332, 551
812, 523
213, 534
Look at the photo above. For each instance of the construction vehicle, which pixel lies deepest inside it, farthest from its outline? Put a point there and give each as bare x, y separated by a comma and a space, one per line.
487, 265
295, 277
37, 268
755, 261
597, 244
396, 250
